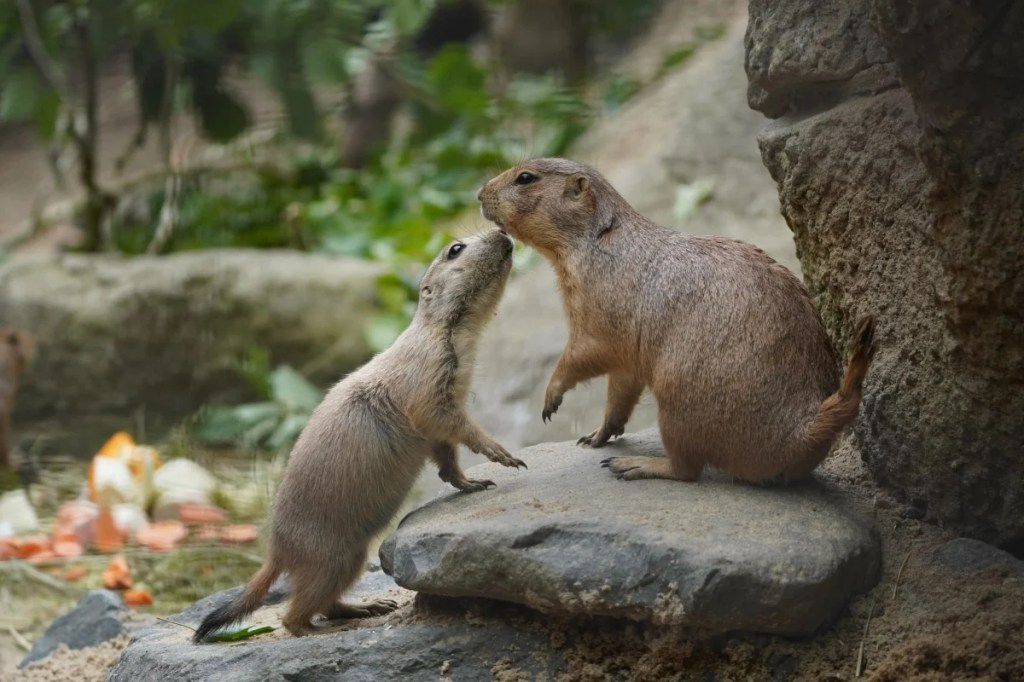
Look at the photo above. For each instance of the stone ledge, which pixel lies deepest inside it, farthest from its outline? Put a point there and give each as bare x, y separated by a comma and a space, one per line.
567, 537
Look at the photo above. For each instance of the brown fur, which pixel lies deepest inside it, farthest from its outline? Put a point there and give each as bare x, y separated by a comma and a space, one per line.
16, 350
726, 338
365, 444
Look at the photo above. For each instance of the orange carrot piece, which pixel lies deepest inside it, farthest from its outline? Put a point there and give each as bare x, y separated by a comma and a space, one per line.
75, 573
162, 535
117, 576
244, 532
138, 598
108, 537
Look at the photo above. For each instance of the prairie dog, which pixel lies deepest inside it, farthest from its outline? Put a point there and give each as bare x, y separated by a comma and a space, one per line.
360, 453
16, 351
726, 338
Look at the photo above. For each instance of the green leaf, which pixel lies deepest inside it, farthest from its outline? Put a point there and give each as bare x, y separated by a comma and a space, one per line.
290, 82
618, 90
44, 120
674, 58
393, 292
690, 197
207, 15
293, 390
218, 424
457, 83
300, 107
258, 432
20, 95
408, 15
287, 431
382, 330
255, 413
241, 633
255, 368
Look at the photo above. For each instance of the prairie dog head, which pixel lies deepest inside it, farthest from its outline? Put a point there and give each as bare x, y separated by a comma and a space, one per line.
466, 280
17, 344
551, 204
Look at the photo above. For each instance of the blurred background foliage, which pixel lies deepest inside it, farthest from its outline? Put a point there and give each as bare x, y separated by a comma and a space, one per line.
458, 122
392, 114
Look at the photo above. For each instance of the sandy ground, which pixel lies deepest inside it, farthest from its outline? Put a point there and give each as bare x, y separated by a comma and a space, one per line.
66, 664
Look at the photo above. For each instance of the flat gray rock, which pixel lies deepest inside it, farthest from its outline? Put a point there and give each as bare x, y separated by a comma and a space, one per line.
566, 536
94, 620
966, 555
399, 646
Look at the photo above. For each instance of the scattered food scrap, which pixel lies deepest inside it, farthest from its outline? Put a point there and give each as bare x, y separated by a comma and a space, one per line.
137, 598
117, 576
162, 535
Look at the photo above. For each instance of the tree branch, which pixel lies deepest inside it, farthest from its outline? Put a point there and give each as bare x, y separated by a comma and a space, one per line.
40, 57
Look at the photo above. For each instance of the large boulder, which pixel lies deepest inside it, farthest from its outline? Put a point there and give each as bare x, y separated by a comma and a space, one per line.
567, 537
124, 339
899, 158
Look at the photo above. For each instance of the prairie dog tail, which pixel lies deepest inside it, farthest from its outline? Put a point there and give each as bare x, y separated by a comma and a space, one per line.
245, 603
840, 408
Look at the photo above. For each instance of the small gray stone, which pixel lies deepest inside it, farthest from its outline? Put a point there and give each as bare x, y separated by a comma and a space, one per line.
465, 648
566, 537
966, 555
93, 621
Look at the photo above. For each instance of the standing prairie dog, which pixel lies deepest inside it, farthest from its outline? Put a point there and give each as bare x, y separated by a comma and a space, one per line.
365, 444
726, 338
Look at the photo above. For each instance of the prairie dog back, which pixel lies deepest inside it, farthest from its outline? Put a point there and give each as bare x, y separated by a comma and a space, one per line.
725, 338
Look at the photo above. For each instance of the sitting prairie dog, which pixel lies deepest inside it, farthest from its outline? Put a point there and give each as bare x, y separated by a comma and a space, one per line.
16, 351
726, 338
360, 453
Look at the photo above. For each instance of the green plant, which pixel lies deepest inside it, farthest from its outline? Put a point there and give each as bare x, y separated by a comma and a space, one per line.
272, 423
618, 90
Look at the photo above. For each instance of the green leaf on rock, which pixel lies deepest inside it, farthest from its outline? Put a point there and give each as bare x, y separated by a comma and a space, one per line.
241, 633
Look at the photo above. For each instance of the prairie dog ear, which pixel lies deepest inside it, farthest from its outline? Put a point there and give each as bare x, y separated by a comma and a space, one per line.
577, 186
426, 292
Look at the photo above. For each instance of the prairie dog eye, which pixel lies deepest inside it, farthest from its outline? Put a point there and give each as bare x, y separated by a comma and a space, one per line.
455, 250
525, 178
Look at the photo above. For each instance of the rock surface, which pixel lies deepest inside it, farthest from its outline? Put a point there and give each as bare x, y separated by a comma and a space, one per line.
393, 647
567, 537
102, 324
96, 619
966, 555
899, 158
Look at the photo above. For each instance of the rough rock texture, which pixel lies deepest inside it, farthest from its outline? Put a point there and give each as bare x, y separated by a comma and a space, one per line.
96, 619
691, 124
899, 158
393, 647
567, 537
167, 333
